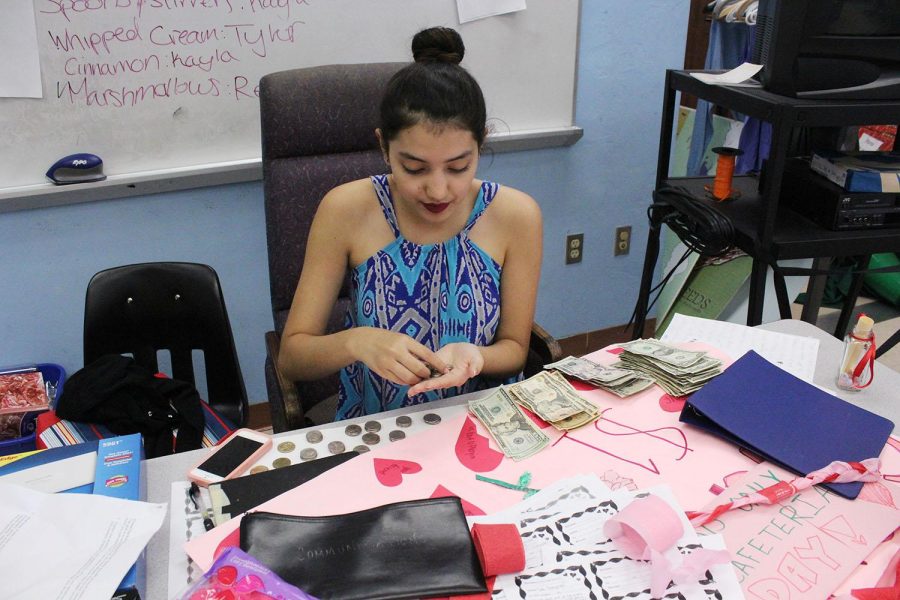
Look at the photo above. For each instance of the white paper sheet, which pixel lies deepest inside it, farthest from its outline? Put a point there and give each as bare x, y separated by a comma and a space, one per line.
735, 76
471, 10
56, 476
567, 555
793, 353
69, 546
20, 69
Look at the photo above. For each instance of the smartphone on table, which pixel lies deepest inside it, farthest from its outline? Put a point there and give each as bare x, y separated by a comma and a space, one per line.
231, 457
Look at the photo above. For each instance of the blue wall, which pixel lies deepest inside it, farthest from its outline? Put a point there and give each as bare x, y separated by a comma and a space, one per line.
603, 181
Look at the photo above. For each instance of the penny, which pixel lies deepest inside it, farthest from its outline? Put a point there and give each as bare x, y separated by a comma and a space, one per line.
286, 447
432, 418
373, 426
308, 453
362, 449
314, 437
396, 435
258, 469
336, 447
404, 421
353, 430
281, 462
371, 438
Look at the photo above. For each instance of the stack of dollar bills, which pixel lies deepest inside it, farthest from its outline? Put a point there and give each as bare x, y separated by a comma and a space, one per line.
553, 399
621, 382
679, 372
516, 435
548, 395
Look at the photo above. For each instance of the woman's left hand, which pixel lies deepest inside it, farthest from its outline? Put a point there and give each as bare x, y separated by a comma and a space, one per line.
464, 360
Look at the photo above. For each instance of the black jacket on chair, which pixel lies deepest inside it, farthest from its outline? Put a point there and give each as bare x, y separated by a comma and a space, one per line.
126, 398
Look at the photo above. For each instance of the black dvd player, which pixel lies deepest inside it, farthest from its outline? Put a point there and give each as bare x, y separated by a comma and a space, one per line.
828, 204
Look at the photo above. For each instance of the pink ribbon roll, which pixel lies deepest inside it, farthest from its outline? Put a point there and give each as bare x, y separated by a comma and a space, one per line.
645, 530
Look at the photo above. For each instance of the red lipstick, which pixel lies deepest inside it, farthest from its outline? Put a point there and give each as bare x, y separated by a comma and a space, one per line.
437, 208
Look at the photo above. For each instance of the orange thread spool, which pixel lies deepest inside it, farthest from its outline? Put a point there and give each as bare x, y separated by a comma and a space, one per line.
724, 172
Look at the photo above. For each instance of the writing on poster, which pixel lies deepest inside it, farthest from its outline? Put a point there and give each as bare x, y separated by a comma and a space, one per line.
802, 547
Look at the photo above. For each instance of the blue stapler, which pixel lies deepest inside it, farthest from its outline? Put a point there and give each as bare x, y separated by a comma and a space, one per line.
77, 168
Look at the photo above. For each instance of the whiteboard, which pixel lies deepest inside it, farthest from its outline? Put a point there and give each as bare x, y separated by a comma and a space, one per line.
160, 86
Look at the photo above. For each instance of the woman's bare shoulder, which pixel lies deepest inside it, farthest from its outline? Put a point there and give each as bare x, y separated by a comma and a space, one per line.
515, 207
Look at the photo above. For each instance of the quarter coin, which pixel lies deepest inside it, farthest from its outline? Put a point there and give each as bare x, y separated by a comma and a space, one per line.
286, 447
258, 469
281, 462
353, 430
371, 438
362, 449
396, 435
432, 418
373, 426
314, 436
336, 447
404, 421
308, 453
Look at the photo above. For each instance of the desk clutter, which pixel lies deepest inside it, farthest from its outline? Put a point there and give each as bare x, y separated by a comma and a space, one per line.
506, 460
72, 520
554, 487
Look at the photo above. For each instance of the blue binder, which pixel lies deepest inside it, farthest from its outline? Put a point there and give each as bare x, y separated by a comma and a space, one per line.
785, 420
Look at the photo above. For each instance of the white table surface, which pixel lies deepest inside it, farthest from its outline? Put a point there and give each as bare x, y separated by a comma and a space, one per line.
882, 397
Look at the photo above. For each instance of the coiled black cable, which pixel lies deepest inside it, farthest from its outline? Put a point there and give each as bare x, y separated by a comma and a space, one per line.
699, 226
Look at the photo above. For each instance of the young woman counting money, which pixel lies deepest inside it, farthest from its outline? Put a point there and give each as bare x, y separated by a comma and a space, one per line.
444, 267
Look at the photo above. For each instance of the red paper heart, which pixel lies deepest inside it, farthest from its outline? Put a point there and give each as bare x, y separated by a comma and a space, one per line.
671, 403
473, 449
580, 385
390, 472
469, 509
534, 418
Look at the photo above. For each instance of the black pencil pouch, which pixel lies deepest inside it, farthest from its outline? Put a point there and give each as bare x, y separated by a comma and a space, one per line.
414, 549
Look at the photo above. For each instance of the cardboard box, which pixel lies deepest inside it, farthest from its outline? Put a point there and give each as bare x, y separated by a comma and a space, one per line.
107, 467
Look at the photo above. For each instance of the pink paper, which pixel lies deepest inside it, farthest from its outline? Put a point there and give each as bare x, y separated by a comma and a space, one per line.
636, 444
802, 547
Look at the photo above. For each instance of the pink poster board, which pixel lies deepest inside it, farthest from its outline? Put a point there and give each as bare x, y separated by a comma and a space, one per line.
638, 443
805, 546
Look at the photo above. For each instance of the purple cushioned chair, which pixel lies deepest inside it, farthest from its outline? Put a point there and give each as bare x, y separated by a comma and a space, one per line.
318, 131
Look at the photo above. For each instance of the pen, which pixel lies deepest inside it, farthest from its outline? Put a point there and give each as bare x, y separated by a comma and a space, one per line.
200, 504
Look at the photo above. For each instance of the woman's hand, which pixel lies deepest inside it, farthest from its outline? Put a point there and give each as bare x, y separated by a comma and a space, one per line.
395, 356
464, 361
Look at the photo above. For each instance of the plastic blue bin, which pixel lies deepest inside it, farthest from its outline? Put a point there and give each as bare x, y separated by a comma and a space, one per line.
53, 374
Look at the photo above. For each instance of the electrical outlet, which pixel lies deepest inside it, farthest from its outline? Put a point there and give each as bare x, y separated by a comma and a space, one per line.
574, 248
623, 240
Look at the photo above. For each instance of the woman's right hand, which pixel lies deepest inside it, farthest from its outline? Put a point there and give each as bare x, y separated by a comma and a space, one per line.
394, 356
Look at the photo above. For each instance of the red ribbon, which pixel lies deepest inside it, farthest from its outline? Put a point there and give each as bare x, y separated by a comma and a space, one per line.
868, 359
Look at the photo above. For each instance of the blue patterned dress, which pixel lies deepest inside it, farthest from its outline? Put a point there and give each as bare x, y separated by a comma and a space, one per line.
436, 294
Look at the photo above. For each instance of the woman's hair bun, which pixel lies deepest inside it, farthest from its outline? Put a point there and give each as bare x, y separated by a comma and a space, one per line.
438, 44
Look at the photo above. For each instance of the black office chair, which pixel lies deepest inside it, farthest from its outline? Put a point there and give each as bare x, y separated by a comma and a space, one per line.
144, 308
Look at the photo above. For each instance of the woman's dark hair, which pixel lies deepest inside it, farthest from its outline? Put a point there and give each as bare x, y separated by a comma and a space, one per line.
434, 88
